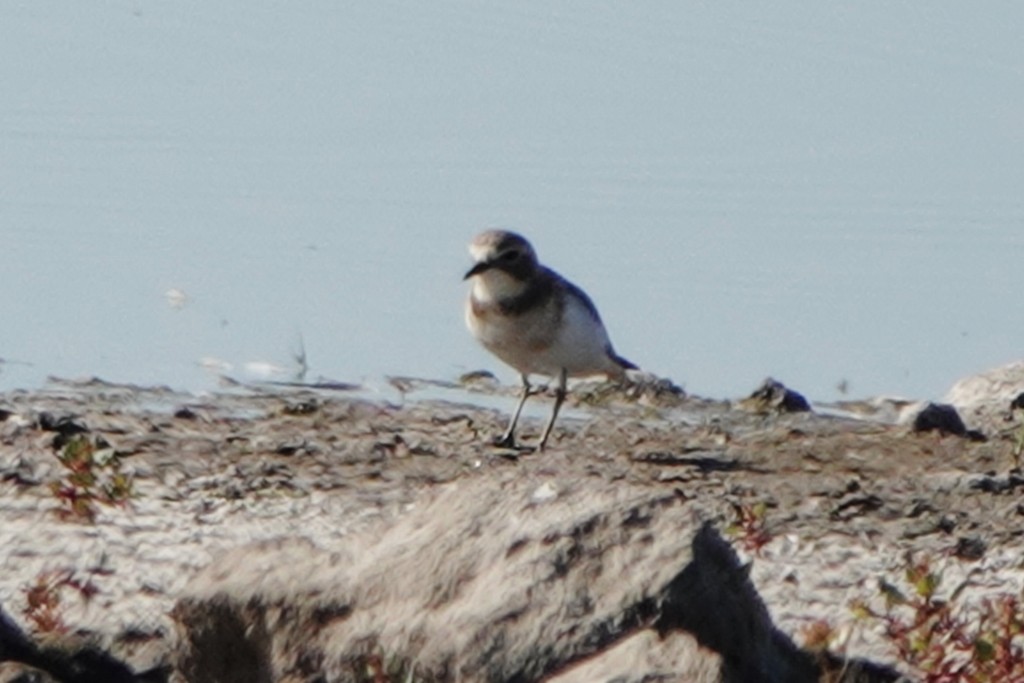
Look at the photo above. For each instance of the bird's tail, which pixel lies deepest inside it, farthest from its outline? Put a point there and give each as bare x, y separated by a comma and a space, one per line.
622, 363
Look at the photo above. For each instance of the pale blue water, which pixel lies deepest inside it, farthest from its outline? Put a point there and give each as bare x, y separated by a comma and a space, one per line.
815, 191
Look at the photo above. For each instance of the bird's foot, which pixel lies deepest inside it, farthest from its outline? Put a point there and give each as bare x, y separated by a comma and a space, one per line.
509, 441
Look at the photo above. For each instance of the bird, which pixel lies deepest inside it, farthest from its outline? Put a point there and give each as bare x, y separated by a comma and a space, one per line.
535, 321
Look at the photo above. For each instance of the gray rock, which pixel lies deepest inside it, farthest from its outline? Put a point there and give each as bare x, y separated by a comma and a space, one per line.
485, 583
986, 400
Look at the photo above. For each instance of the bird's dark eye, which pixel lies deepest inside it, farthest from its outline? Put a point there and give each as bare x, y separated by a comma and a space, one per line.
510, 256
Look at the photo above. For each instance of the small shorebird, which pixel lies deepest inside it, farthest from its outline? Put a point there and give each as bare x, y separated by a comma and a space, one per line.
535, 320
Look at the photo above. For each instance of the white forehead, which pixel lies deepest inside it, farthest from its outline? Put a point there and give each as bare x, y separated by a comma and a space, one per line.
480, 252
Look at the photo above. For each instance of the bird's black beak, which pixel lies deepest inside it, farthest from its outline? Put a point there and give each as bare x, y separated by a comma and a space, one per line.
477, 269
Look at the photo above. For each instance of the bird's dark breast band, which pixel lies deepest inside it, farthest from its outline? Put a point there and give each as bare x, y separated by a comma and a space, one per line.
534, 296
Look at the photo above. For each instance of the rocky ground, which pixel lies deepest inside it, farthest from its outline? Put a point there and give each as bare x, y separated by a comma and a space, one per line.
120, 548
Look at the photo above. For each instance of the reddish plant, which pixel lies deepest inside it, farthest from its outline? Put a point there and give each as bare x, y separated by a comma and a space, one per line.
750, 528
92, 476
946, 642
43, 606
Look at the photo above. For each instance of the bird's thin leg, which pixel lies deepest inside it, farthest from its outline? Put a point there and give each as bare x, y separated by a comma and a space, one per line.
559, 398
508, 439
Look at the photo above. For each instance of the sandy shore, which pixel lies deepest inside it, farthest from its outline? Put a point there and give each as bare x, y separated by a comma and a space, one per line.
840, 499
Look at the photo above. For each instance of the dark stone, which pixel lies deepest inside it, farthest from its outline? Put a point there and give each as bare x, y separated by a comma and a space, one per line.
1017, 402
81, 664
300, 408
940, 417
777, 396
855, 507
919, 507
65, 425
705, 461
947, 523
992, 483
970, 548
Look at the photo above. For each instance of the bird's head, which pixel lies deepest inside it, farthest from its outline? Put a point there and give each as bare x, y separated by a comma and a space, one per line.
499, 253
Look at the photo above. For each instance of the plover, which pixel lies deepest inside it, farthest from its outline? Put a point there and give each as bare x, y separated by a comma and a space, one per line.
535, 320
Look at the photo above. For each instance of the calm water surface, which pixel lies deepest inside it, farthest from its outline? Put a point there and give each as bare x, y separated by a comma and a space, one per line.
823, 193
